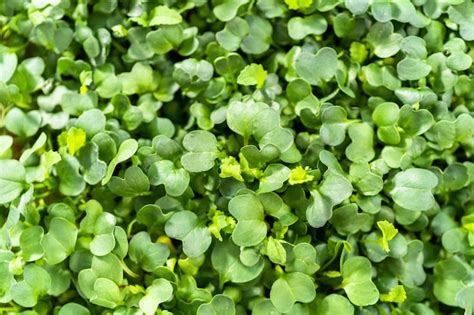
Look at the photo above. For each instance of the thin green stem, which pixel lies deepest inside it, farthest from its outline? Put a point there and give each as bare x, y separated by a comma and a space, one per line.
127, 270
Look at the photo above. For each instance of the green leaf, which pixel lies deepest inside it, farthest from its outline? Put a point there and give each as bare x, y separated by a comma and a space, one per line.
412, 69
203, 148
462, 14
260, 35
84, 122
291, 288
299, 28
333, 129
335, 304
361, 149
273, 178
275, 251
449, 277
38, 278
28, 75
73, 309
464, 299
357, 283
412, 189
365, 180
251, 228
227, 10
334, 189
240, 116
162, 15
459, 61
165, 38
107, 293
298, 4
21, 124
385, 116
231, 156
415, 122
252, 74
220, 304
403, 11
140, 80
319, 67
60, 240
126, 150
160, 291
230, 39
385, 42
396, 295
75, 140
175, 180
455, 177
71, 182
8, 63
185, 227
347, 220
5, 146
108, 267
102, 244
278, 137
388, 233
357, 7
91, 47
30, 243
148, 255
23, 294
12, 180
414, 47
384, 76
264, 306
134, 183
93, 168
225, 259
39, 144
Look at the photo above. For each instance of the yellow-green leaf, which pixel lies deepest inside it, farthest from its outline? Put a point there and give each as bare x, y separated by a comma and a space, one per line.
299, 175
396, 295
50, 158
388, 233
75, 140
231, 168
253, 74
332, 274
298, 4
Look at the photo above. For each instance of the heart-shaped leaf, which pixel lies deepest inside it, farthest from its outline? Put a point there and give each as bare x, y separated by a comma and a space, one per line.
134, 183
8, 63
202, 147
60, 240
160, 291
220, 304
12, 180
150, 256
251, 228
185, 227
291, 288
225, 259
412, 189
174, 179
357, 281
319, 67
21, 124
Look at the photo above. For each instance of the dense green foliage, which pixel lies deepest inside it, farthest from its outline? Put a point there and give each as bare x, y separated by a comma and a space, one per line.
237, 157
